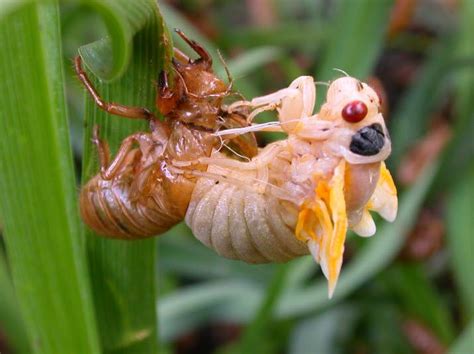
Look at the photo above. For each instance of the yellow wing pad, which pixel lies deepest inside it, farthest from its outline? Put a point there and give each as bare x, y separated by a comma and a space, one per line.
324, 223
384, 201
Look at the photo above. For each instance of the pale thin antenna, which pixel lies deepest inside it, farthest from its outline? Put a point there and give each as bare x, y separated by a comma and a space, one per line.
226, 68
324, 83
341, 71
222, 143
235, 152
243, 130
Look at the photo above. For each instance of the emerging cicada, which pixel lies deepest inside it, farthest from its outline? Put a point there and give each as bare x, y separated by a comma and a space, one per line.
299, 195
296, 196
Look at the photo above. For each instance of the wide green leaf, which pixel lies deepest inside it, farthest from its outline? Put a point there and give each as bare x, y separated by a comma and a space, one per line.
109, 58
123, 273
38, 207
11, 320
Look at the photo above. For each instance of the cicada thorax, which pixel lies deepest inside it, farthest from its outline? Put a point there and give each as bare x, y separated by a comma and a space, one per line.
186, 143
197, 95
194, 95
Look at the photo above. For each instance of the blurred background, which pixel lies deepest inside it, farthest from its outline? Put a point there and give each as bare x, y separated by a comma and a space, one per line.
406, 290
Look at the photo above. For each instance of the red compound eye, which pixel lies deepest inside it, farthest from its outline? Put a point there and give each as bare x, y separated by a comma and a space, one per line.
354, 112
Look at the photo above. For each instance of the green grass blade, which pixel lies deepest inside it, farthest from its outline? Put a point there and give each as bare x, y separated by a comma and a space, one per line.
459, 158
235, 300
412, 116
8, 6
11, 321
420, 298
460, 224
459, 155
37, 186
250, 60
284, 35
324, 332
465, 342
355, 39
263, 317
124, 272
182, 254
177, 20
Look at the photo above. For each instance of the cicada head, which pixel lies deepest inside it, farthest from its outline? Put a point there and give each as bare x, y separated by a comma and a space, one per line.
361, 138
357, 138
360, 134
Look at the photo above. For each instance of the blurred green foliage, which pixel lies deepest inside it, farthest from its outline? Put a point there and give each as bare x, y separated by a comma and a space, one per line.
426, 67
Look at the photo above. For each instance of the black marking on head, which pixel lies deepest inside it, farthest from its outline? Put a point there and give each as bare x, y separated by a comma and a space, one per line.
359, 85
368, 141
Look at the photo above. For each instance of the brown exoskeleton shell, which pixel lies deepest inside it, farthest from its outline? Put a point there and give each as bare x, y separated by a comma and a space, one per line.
138, 194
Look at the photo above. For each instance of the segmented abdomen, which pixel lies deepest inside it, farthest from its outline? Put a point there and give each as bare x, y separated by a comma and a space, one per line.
239, 223
108, 208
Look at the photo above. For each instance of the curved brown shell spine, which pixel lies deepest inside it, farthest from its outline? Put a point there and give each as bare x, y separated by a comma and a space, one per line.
241, 224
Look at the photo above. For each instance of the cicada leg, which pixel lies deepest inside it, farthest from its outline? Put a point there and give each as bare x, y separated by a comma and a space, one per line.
293, 103
180, 56
245, 144
103, 149
108, 170
167, 98
203, 54
109, 107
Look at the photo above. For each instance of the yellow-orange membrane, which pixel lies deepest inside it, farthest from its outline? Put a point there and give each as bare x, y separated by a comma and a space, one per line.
324, 222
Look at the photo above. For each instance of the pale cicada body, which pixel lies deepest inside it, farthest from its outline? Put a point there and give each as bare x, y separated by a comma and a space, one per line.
299, 195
